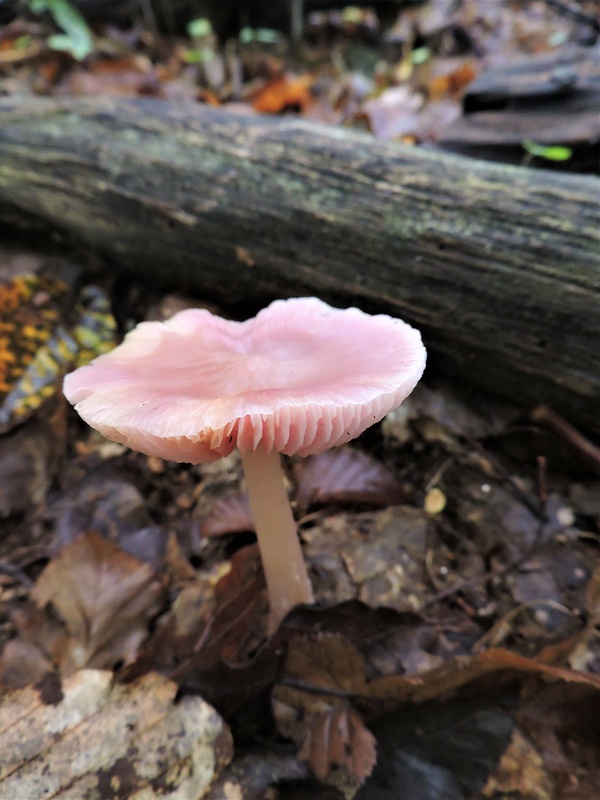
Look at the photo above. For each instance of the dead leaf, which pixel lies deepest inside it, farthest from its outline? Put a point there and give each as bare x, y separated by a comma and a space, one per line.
328, 666
237, 597
129, 76
105, 598
250, 776
324, 675
321, 673
113, 506
105, 740
592, 595
326, 661
29, 457
394, 113
450, 77
328, 731
520, 774
389, 641
229, 513
22, 664
345, 475
36, 627
563, 720
283, 92
339, 738
496, 665
235, 688
377, 556
207, 640
440, 751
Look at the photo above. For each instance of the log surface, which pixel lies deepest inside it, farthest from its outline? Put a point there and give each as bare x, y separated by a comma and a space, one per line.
498, 265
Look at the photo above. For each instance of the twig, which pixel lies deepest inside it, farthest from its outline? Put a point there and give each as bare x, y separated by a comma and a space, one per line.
458, 587
542, 496
14, 572
566, 431
293, 683
506, 476
540, 513
501, 628
437, 475
540, 482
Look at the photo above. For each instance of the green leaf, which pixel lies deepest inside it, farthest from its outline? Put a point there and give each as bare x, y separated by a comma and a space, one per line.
77, 38
199, 28
549, 152
200, 56
262, 35
420, 55
352, 14
23, 42
78, 48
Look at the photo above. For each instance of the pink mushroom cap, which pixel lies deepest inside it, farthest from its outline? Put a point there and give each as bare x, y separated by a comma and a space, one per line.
300, 377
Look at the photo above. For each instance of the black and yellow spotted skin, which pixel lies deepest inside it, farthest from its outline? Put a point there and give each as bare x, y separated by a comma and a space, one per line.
38, 345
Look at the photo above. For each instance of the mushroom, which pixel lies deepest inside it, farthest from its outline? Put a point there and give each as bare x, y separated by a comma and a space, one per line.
298, 378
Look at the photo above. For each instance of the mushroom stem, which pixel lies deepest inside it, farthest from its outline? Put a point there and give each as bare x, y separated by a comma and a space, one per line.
283, 563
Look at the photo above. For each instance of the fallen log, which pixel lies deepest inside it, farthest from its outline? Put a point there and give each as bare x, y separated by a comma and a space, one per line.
497, 265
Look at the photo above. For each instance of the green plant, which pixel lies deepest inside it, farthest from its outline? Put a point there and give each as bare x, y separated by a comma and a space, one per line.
549, 152
201, 32
76, 38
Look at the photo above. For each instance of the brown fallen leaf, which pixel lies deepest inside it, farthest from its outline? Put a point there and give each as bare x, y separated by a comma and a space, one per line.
345, 475
229, 513
592, 596
125, 77
563, 720
327, 729
205, 642
339, 738
104, 740
394, 113
377, 556
105, 597
324, 677
520, 773
390, 642
41, 642
283, 92
493, 667
449, 78
237, 596
249, 777
21, 664
29, 459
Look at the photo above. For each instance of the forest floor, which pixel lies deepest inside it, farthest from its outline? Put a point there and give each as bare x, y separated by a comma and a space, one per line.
454, 548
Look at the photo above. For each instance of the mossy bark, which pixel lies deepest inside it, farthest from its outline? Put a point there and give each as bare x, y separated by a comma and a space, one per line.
498, 265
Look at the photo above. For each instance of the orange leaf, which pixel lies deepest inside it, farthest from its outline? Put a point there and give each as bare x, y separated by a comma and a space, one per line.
283, 92
452, 83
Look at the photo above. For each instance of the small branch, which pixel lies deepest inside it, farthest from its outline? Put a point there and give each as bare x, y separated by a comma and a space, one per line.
586, 449
507, 477
6, 568
292, 683
539, 512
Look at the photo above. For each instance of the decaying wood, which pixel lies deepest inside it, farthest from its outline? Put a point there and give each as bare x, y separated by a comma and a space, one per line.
498, 265
96, 739
550, 98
